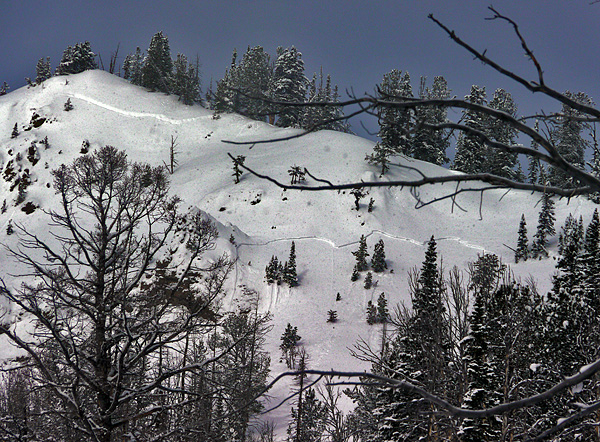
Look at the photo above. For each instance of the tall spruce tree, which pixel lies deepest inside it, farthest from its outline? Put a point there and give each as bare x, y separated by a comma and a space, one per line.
499, 162
568, 139
378, 261
43, 71
545, 228
394, 124
522, 250
288, 83
132, 67
253, 76
361, 254
77, 59
430, 144
470, 149
290, 276
157, 69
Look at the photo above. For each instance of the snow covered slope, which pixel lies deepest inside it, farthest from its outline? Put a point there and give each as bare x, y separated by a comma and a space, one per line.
262, 218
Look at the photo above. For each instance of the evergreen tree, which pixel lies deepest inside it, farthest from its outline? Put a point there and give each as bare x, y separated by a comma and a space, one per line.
157, 69
382, 309
226, 99
522, 251
533, 174
4, 89
378, 262
68, 106
431, 144
272, 271
43, 71
361, 254
332, 316
288, 83
394, 124
15, 131
499, 162
371, 313
308, 419
290, 275
132, 67
355, 275
569, 141
470, 150
186, 80
237, 172
252, 79
77, 59
545, 228
368, 280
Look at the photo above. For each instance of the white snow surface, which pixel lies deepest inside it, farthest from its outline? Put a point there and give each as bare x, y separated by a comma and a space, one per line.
108, 110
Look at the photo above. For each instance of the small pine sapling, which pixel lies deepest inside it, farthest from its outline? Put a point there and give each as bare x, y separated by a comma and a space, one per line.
4, 207
290, 275
237, 172
361, 254
172, 155
332, 316
358, 195
85, 147
368, 280
45, 142
15, 131
522, 251
355, 275
370, 208
371, 313
4, 89
382, 310
232, 239
338, 297
68, 105
9, 228
297, 175
378, 262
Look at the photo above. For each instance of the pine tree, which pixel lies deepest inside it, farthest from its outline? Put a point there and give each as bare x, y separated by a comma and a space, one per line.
431, 144
382, 309
308, 419
157, 70
371, 313
355, 274
226, 99
332, 316
68, 106
186, 80
132, 67
545, 228
237, 172
470, 150
533, 169
358, 194
77, 59
361, 254
290, 275
522, 251
15, 131
378, 261
288, 83
272, 271
368, 280
43, 71
394, 124
500, 162
253, 76
4, 89
569, 141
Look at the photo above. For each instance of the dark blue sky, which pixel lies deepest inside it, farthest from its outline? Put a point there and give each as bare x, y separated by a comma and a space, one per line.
355, 41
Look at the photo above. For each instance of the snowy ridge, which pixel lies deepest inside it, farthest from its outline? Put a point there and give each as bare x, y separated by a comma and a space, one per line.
262, 218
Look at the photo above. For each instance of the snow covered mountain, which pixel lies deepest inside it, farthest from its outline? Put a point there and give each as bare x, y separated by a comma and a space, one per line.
263, 218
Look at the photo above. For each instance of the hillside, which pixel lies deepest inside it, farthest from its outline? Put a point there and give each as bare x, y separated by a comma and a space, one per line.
262, 218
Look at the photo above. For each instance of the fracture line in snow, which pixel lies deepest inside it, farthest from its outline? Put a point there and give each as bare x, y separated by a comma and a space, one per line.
159, 117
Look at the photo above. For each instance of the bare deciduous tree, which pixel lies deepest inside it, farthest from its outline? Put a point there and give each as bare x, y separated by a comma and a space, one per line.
111, 304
